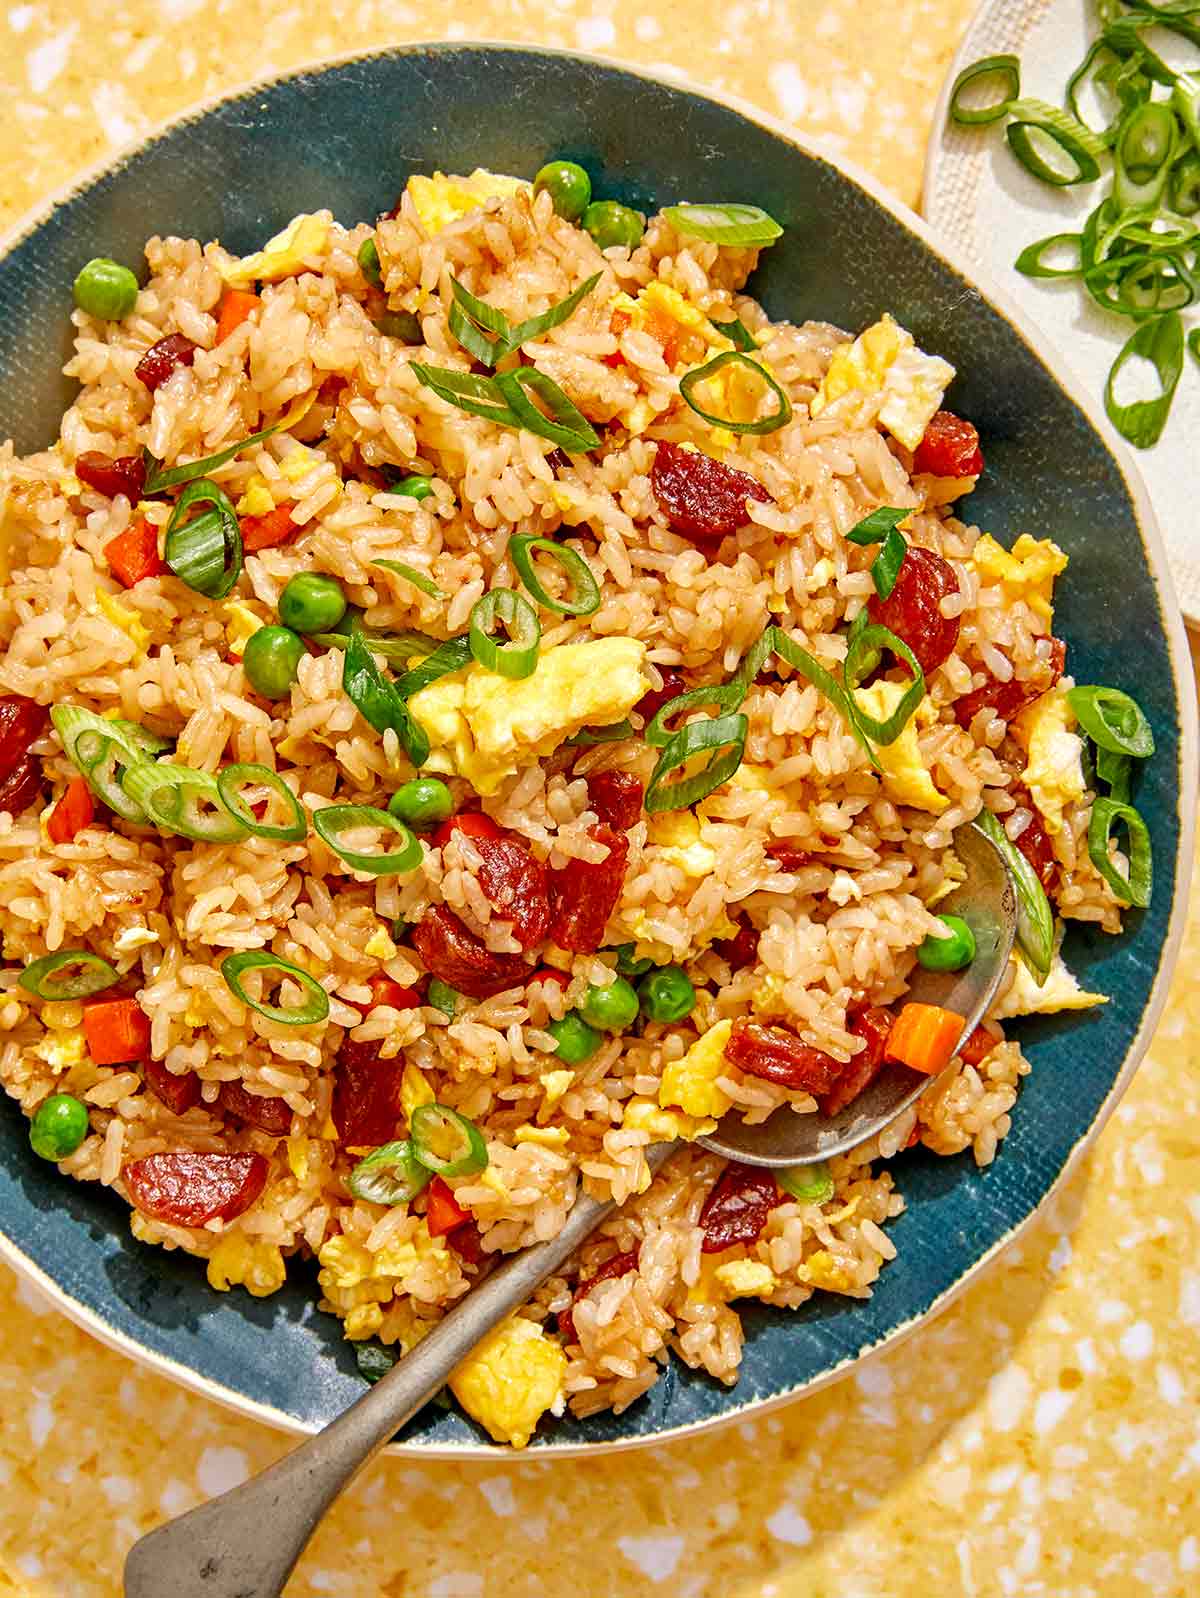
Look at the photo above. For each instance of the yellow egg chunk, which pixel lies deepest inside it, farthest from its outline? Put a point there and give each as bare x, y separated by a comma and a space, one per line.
509, 1382
440, 200
486, 728
904, 773
678, 835
691, 1082
1054, 756
283, 256
257, 500
554, 1085
61, 1050
643, 1115
239, 1261
1027, 571
241, 625
546, 1137
885, 360
129, 622
1060, 991
414, 1090
745, 1278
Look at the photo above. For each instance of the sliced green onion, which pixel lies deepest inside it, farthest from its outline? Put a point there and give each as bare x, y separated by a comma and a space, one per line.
331, 821
476, 395
1161, 343
776, 641
1185, 184
389, 1175
402, 325
233, 778
396, 648
411, 575
588, 736
725, 739
811, 1184
1107, 813
1035, 919
381, 703
92, 975
442, 996
585, 590
1142, 155
566, 424
102, 750
1005, 67
873, 529
1031, 260
446, 1142
862, 655
724, 697
519, 657
738, 334
206, 552
534, 326
1112, 720
1193, 344
486, 333
1117, 771
315, 1006
1077, 79
885, 568
157, 480
1075, 139
778, 418
184, 801
135, 736
374, 1361
450, 656
732, 224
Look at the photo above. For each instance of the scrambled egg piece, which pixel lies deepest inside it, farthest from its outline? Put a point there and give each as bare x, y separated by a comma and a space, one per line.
659, 300
379, 946
885, 360
283, 256
643, 1115
679, 836
511, 1380
691, 1082
1027, 571
258, 499
61, 1050
555, 1084
129, 622
822, 1270
440, 200
1060, 991
905, 776
239, 1261
299, 1156
547, 1137
1054, 756
243, 623
134, 938
745, 1278
402, 1259
344, 1263
486, 728
414, 1090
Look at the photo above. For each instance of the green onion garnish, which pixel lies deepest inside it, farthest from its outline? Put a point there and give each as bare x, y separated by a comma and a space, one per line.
1035, 919
182, 801
1106, 814
486, 333
1117, 772
724, 697
374, 1361
448, 657
589, 736
585, 590
381, 703
91, 975
205, 552
402, 325
1112, 720
442, 996
723, 737
315, 1006
1031, 261
519, 657
885, 568
1161, 343
446, 1142
738, 334
1073, 139
779, 417
503, 400
232, 779
724, 224
873, 529
390, 1175
1004, 67
811, 1184
411, 575
333, 820
157, 480
102, 750
866, 642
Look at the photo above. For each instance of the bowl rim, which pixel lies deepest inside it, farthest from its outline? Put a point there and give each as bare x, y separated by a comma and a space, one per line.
997, 298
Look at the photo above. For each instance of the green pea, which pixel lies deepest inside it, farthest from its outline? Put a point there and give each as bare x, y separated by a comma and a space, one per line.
610, 223
611, 1009
667, 994
368, 262
628, 963
952, 952
59, 1127
416, 487
441, 996
312, 603
270, 659
568, 185
423, 802
576, 1040
106, 289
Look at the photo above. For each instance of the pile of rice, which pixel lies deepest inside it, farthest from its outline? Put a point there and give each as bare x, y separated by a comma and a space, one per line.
841, 929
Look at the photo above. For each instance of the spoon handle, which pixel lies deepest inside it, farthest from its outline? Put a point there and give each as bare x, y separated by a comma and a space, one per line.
245, 1544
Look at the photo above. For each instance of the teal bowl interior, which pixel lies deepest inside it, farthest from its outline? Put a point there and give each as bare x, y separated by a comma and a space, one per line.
347, 136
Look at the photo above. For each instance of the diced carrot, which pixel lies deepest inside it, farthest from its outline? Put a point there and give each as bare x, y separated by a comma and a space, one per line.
386, 990
667, 331
117, 1031
443, 1212
73, 812
236, 306
979, 1045
263, 532
133, 554
547, 973
924, 1037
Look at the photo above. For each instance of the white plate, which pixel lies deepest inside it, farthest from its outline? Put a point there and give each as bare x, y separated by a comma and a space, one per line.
982, 199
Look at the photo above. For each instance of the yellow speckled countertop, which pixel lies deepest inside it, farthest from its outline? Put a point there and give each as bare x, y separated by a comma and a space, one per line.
1041, 1438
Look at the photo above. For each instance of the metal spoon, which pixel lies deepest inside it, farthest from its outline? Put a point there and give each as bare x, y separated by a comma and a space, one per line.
245, 1544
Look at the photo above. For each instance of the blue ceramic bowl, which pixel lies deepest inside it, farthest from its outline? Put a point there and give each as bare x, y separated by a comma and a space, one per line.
347, 135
